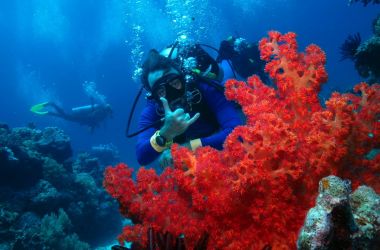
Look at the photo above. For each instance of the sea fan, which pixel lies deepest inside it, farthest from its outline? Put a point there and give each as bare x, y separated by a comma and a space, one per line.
349, 47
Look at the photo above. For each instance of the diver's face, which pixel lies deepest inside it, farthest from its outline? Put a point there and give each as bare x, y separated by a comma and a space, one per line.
164, 81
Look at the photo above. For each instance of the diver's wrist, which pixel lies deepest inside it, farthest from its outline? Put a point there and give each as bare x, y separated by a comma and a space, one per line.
159, 143
166, 135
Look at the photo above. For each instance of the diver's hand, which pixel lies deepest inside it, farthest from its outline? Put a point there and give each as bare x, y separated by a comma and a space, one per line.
175, 122
166, 159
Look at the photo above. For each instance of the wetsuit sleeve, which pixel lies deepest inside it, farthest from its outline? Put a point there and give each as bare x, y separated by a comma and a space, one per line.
144, 150
227, 71
227, 116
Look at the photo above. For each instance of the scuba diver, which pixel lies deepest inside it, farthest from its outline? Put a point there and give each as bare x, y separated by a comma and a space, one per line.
244, 57
90, 115
185, 103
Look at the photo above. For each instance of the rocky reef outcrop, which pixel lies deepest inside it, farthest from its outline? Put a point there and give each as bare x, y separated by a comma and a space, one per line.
26, 154
341, 219
48, 200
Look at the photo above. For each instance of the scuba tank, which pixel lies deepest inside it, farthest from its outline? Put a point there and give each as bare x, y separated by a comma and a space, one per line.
193, 61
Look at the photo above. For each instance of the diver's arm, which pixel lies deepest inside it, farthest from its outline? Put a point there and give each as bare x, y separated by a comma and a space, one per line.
227, 116
228, 71
144, 150
175, 123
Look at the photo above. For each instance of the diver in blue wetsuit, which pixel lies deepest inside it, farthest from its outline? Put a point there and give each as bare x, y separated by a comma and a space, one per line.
186, 97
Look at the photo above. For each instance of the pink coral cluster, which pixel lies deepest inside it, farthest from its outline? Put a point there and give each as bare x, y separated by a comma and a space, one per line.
255, 192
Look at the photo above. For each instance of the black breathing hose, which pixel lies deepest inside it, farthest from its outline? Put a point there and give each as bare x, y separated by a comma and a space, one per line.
127, 134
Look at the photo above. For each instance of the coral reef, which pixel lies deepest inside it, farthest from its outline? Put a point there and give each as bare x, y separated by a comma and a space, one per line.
376, 26
53, 231
255, 193
107, 154
364, 54
365, 2
366, 59
341, 220
46, 201
94, 161
365, 205
25, 154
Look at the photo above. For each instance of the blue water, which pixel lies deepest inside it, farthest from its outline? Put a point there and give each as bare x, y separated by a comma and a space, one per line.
49, 48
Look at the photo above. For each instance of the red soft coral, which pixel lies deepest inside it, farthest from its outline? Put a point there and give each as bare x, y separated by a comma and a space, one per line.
255, 192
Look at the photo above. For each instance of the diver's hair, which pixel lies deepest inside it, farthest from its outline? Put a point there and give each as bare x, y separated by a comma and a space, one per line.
155, 61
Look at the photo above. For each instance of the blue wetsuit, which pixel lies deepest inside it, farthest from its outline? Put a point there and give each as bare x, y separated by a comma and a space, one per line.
218, 118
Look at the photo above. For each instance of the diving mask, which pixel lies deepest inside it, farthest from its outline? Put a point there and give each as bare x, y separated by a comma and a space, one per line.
170, 86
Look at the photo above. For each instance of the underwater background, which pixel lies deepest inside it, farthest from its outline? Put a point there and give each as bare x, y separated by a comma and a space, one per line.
50, 49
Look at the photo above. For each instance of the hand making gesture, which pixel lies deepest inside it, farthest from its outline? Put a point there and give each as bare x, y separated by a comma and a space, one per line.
176, 122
